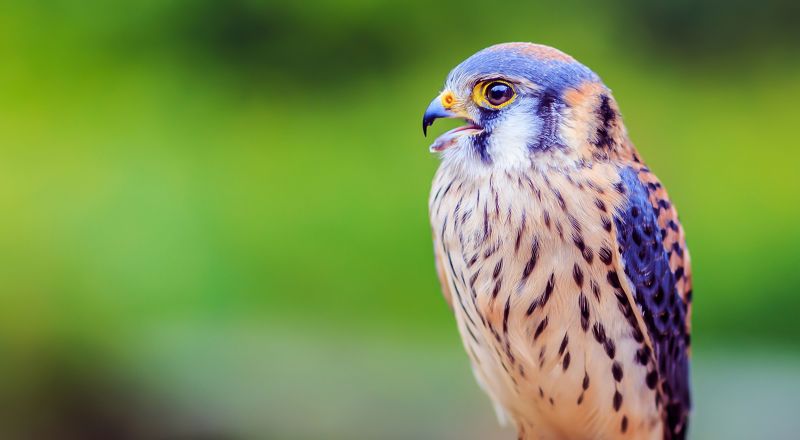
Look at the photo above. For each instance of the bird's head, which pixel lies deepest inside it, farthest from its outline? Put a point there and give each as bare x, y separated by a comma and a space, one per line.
521, 102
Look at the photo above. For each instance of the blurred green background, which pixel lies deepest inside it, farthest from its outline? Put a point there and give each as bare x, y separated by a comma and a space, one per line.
214, 213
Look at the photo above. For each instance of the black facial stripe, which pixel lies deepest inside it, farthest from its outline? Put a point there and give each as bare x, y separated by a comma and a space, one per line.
548, 112
487, 115
480, 142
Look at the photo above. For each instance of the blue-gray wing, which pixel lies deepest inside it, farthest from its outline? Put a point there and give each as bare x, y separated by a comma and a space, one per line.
658, 290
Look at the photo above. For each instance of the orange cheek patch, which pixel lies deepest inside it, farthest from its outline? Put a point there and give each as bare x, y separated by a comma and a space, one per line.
577, 97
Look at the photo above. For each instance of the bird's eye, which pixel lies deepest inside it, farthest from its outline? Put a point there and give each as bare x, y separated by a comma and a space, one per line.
495, 94
498, 93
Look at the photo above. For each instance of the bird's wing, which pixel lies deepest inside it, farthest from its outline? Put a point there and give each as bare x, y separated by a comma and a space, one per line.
672, 237
656, 264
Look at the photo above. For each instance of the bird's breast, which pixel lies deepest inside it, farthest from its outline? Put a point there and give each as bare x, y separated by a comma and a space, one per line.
527, 257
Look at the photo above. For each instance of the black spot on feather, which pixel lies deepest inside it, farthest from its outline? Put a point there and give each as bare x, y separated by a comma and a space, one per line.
605, 255
617, 402
577, 274
540, 328
606, 116
616, 371
526, 272
548, 112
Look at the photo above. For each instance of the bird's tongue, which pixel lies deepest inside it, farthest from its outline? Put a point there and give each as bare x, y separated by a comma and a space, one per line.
449, 138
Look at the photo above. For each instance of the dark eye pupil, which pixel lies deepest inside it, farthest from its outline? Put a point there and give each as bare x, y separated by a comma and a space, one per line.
498, 93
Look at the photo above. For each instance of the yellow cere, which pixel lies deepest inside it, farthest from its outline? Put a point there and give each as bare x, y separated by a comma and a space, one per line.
448, 99
479, 93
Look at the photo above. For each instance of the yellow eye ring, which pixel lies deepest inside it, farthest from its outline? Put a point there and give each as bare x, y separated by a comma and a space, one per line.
494, 94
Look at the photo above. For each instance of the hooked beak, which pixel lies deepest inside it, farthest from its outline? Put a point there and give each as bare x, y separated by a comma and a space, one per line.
442, 107
435, 111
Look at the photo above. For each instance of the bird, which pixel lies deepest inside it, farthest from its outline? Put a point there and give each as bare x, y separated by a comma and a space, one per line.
559, 251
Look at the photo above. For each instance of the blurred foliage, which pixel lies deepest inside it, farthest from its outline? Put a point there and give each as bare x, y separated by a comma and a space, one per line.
713, 32
190, 167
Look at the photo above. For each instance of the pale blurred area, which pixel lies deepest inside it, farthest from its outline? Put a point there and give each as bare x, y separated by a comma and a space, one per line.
256, 381
214, 213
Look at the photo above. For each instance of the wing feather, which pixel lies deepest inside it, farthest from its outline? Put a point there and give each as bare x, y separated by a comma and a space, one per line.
650, 238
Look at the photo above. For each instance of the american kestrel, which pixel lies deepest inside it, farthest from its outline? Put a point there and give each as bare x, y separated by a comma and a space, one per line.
559, 251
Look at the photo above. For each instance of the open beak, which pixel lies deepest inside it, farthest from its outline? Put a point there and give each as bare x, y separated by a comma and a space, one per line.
439, 109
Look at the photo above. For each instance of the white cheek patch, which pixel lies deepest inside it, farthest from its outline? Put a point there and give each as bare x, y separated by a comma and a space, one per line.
512, 135
508, 148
